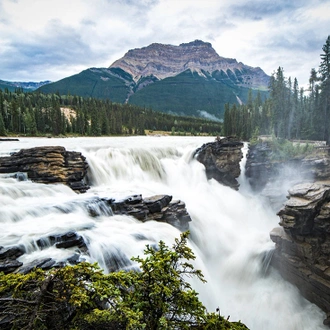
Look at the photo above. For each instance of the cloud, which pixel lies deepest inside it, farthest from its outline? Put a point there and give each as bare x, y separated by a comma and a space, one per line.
45, 39
260, 9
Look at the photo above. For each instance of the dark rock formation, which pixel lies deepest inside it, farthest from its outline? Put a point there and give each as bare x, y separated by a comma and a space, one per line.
66, 240
48, 165
8, 256
158, 208
302, 253
45, 263
222, 160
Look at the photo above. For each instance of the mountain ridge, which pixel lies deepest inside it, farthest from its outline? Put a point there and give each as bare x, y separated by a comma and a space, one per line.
26, 85
189, 79
163, 61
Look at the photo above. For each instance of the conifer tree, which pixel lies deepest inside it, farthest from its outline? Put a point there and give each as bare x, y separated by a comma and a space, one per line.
325, 88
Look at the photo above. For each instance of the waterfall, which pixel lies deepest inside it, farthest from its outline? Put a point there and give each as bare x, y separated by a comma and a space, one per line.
229, 229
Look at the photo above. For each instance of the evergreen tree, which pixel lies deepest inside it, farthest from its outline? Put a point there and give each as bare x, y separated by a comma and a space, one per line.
325, 88
2, 126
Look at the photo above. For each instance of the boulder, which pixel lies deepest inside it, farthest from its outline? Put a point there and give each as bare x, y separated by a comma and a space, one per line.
48, 164
221, 159
8, 256
63, 241
45, 263
158, 208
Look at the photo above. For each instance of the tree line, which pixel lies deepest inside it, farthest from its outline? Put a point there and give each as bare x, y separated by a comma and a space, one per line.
287, 113
36, 114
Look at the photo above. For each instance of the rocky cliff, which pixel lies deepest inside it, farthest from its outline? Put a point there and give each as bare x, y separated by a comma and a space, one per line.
162, 61
302, 252
298, 189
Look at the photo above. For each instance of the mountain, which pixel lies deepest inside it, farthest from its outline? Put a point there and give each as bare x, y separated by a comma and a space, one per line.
163, 61
189, 79
26, 86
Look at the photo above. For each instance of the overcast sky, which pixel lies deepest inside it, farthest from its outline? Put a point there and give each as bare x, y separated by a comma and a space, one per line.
53, 39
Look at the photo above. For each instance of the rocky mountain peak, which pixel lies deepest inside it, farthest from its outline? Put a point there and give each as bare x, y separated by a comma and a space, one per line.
162, 61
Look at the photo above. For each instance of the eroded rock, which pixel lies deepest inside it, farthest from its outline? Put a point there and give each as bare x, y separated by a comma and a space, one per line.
222, 160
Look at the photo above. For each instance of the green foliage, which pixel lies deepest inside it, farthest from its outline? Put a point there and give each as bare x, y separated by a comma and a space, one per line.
283, 149
96, 83
287, 113
184, 94
83, 297
187, 93
34, 114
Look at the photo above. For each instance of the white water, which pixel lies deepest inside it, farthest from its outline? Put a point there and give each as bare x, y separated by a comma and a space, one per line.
229, 229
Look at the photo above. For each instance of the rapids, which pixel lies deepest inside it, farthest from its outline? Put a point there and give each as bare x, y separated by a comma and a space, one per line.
229, 229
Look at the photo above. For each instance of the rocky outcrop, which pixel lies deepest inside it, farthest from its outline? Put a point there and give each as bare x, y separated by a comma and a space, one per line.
48, 164
162, 61
222, 160
158, 208
302, 251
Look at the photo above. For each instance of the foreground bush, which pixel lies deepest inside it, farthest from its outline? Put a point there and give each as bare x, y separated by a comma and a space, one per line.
83, 297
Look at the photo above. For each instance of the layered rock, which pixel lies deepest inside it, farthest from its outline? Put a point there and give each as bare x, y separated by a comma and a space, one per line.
158, 208
302, 252
221, 159
49, 164
162, 61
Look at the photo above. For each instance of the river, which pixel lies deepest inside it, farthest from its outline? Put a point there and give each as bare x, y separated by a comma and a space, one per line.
229, 229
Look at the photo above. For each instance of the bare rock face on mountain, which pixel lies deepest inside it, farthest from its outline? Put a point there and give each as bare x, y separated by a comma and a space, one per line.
303, 242
48, 164
162, 61
222, 160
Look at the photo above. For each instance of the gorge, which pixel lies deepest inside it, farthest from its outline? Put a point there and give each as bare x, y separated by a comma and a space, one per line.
230, 228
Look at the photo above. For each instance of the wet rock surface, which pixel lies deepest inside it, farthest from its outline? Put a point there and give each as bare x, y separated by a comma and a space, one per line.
48, 164
221, 159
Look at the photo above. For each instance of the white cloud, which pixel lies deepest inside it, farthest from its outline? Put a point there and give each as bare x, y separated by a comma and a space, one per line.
52, 39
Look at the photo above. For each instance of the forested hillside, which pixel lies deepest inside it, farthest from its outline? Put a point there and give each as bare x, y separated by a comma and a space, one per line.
34, 114
288, 112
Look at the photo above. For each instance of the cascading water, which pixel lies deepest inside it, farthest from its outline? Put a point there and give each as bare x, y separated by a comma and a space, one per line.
229, 229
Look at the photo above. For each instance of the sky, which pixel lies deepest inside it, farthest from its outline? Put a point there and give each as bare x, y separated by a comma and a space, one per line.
53, 39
